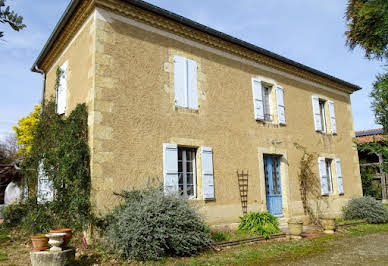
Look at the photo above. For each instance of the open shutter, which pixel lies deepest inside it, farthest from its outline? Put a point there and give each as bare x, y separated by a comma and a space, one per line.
180, 81
170, 168
339, 176
207, 173
45, 186
323, 175
332, 117
257, 91
317, 114
62, 90
280, 104
192, 84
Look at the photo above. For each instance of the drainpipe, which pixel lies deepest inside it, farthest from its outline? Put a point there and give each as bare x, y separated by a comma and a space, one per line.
44, 82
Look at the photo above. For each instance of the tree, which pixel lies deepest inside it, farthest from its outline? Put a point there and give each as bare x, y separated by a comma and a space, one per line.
9, 17
8, 150
368, 27
26, 130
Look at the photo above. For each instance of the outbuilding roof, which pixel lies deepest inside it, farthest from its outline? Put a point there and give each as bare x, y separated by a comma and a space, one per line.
187, 22
370, 135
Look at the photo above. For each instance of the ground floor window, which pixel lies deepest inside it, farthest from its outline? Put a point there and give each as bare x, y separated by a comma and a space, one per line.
329, 175
187, 178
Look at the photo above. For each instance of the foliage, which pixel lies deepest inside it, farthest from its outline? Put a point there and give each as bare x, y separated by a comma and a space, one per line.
149, 225
262, 223
368, 26
10, 17
60, 145
379, 95
26, 130
370, 188
309, 185
366, 208
219, 236
14, 214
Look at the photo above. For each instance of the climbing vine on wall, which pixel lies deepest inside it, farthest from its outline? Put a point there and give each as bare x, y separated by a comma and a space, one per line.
61, 148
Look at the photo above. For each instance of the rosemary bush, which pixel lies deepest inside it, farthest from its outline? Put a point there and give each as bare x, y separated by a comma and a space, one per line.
149, 225
262, 223
367, 208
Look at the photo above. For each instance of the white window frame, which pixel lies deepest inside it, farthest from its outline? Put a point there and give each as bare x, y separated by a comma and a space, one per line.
267, 102
329, 175
322, 110
184, 171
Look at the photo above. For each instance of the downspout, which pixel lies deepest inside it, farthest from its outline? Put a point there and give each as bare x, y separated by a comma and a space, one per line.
44, 82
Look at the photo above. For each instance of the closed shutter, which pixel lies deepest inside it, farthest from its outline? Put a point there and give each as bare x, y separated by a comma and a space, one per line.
317, 114
280, 104
257, 91
45, 186
323, 175
332, 118
192, 84
180, 81
170, 168
207, 173
62, 90
339, 176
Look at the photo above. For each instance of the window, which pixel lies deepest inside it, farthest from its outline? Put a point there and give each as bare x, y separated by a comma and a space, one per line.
323, 115
186, 172
329, 176
185, 82
267, 103
61, 92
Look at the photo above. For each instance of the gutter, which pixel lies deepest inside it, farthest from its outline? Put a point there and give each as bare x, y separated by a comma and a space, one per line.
192, 24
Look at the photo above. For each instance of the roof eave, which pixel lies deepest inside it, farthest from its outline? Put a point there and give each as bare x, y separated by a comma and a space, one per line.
190, 23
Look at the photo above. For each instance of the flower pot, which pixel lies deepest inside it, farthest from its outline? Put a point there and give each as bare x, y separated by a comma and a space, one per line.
295, 228
56, 241
39, 243
328, 225
66, 239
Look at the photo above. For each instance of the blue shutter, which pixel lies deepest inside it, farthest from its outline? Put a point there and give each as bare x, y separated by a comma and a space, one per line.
280, 104
323, 175
339, 176
180, 81
257, 92
332, 117
317, 114
170, 168
207, 173
62, 90
192, 84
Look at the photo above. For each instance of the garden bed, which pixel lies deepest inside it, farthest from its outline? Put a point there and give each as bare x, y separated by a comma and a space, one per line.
254, 239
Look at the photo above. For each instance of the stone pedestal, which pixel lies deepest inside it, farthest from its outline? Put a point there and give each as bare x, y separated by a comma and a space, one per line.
47, 258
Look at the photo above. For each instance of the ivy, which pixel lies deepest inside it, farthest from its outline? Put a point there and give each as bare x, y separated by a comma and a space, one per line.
61, 146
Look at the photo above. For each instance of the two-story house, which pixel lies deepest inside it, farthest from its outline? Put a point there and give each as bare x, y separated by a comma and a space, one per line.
170, 98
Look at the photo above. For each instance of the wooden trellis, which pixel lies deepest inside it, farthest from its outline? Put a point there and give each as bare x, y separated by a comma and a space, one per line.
243, 186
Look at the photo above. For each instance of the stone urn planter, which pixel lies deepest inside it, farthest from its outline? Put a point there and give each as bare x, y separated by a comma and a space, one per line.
39, 243
56, 240
66, 239
295, 228
328, 225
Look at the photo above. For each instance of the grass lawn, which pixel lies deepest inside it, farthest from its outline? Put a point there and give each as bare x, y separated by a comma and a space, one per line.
15, 252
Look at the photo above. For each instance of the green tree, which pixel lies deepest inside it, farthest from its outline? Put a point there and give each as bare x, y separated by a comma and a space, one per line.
368, 27
379, 96
9, 17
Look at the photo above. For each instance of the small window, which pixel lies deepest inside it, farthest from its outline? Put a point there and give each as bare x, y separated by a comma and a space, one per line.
329, 176
187, 179
267, 103
323, 115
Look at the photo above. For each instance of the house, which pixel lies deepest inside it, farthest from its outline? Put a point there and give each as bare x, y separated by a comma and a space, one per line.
170, 98
374, 162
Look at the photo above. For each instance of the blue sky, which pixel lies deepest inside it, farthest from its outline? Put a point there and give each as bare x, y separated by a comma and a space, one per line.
309, 32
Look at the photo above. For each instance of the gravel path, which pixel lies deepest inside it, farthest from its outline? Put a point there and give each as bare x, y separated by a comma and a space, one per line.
360, 250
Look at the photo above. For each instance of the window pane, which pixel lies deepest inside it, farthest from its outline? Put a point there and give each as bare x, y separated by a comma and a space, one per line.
179, 154
190, 190
180, 169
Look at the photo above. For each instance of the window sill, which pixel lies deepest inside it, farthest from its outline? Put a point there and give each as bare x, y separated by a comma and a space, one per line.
186, 110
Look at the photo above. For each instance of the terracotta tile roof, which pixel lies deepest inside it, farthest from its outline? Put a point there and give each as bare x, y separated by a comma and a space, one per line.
370, 135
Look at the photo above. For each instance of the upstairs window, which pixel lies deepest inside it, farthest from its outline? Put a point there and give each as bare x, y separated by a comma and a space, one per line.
267, 103
322, 114
319, 112
185, 82
61, 92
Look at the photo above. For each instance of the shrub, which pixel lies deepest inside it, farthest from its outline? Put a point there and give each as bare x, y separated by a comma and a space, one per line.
262, 223
14, 214
366, 208
149, 225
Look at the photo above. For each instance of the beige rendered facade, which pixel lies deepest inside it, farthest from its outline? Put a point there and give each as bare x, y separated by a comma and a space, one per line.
121, 62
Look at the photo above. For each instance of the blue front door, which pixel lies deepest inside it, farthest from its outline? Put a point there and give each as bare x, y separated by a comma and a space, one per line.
273, 184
